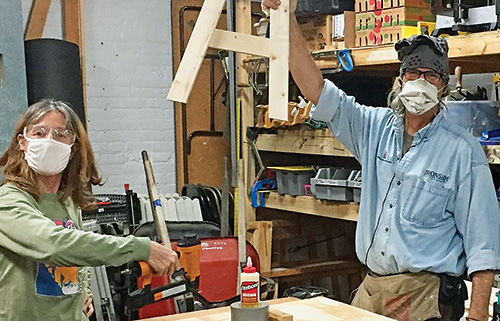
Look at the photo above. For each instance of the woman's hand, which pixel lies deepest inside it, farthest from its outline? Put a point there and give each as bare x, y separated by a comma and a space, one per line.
163, 260
88, 307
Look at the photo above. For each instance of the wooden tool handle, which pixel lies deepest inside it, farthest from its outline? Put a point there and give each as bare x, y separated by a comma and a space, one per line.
458, 76
154, 197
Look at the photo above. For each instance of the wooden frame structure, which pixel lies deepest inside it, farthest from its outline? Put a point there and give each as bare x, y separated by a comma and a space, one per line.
205, 35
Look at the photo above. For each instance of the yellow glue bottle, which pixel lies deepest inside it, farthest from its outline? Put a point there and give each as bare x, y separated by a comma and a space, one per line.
250, 296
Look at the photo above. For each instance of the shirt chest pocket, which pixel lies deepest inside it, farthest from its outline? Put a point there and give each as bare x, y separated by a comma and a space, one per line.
426, 203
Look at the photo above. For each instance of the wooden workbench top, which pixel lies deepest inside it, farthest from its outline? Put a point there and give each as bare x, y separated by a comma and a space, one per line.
316, 309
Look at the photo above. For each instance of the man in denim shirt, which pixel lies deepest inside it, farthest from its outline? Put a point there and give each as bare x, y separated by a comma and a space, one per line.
428, 211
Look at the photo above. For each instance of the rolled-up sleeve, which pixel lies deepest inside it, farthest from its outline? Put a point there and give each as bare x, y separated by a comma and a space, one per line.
350, 122
478, 219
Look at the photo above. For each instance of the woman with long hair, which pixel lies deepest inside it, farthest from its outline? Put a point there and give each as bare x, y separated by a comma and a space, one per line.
48, 170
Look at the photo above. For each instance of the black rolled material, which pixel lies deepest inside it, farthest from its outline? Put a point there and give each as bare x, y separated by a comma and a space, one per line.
53, 71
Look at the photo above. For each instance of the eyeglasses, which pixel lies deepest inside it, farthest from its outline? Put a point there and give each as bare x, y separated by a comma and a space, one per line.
62, 135
429, 75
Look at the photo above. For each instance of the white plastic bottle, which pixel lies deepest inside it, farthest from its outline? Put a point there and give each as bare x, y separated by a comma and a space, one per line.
250, 295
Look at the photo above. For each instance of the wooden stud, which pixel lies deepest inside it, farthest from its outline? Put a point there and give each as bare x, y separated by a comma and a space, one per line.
72, 21
245, 95
73, 32
278, 65
243, 25
36, 19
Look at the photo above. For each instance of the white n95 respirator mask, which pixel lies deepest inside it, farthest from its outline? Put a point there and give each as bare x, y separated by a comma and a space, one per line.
46, 156
419, 96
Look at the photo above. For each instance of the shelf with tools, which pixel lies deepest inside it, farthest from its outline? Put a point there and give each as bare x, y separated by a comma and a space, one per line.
302, 141
479, 51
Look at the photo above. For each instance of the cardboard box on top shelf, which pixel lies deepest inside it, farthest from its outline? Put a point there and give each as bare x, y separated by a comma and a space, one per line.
317, 31
392, 34
403, 16
372, 5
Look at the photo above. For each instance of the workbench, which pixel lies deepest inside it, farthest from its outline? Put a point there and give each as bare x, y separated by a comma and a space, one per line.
315, 309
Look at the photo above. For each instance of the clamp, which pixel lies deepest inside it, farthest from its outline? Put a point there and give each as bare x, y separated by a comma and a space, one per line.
490, 137
258, 199
344, 59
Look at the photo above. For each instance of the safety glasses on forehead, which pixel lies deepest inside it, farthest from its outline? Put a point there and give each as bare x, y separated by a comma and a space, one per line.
62, 135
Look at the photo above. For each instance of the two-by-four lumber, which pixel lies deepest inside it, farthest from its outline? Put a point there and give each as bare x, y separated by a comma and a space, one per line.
206, 35
36, 19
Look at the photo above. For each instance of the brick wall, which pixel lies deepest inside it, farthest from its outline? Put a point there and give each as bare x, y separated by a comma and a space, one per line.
128, 74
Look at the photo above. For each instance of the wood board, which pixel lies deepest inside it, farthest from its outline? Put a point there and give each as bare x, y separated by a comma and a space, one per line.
206, 35
315, 309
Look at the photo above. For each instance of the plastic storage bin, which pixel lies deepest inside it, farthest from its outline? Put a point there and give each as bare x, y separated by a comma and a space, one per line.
354, 181
291, 179
332, 184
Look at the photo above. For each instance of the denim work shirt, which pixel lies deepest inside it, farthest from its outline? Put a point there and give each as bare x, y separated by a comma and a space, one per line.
433, 209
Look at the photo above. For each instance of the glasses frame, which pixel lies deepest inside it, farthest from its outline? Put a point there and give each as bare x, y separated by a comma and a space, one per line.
57, 133
428, 75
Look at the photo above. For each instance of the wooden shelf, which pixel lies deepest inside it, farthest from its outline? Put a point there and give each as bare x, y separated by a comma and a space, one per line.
313, 206
312, 268
322, 142
479, 51
302, 141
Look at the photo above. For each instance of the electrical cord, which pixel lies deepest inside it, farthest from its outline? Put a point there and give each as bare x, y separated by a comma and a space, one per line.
378, 221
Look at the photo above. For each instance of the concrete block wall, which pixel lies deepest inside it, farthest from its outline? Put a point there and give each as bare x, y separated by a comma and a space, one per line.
128, 58
12, 72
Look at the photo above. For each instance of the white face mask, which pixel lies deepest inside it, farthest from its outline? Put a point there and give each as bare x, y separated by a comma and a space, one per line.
46, 156
419, 96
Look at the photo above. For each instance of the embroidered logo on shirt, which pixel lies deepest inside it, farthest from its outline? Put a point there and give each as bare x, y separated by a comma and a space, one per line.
54, 280
442, 178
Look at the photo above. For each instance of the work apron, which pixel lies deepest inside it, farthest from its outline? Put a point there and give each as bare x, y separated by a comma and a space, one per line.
404, 297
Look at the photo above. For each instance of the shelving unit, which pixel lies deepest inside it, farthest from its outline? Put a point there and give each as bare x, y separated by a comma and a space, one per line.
302, 141
478, 52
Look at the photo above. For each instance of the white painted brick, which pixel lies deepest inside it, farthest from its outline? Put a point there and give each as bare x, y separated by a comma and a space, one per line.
128, 72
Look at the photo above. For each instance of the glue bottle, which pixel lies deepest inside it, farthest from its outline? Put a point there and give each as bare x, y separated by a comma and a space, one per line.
250, 296
496, 308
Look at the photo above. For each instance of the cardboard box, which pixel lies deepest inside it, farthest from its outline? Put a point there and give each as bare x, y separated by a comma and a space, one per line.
372, 5
326, 32
349, 28
343, 32
384, 35
317, 31
404, 16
